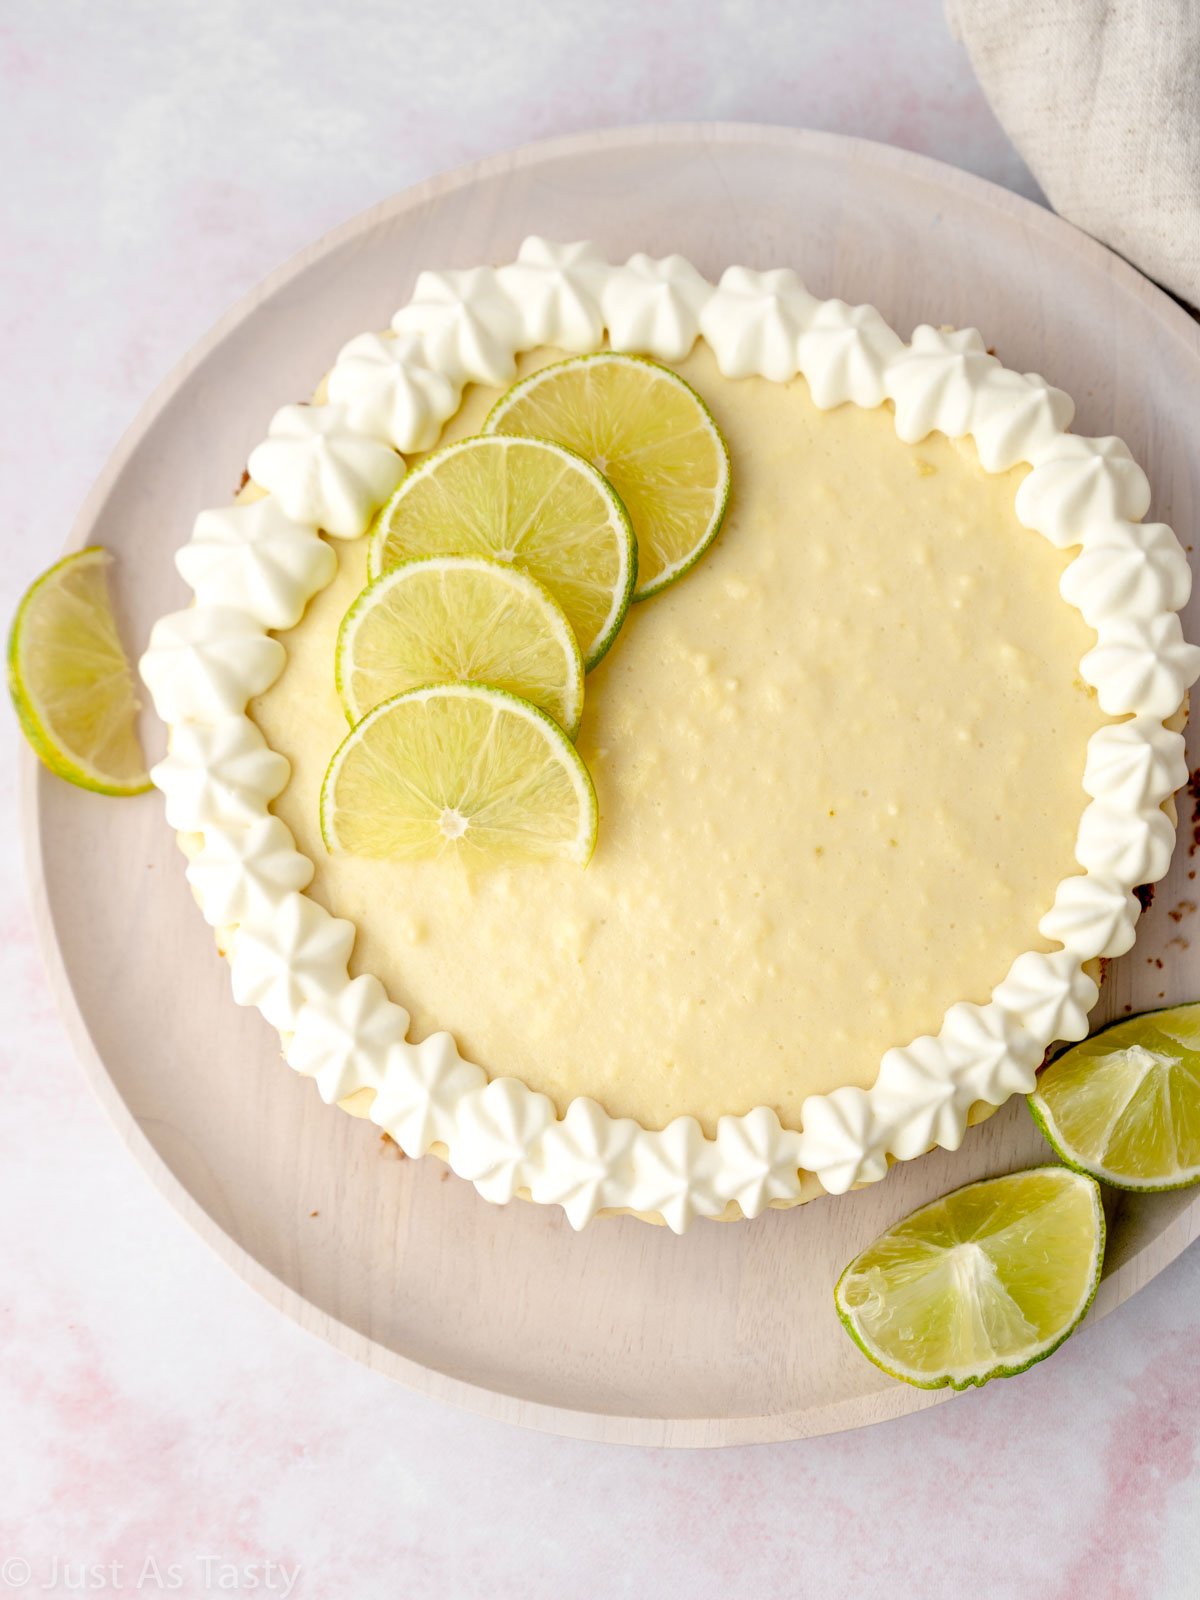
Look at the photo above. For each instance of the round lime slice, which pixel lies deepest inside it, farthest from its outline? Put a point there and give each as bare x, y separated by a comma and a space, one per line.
70, 679
1125, 1104
459, 768
649, 433
459, 619
980, 1284
527, 502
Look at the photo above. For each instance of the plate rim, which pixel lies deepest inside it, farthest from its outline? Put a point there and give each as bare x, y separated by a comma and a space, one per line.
685, 1432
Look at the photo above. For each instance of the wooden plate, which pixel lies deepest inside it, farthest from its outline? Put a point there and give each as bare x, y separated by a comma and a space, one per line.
624, 1332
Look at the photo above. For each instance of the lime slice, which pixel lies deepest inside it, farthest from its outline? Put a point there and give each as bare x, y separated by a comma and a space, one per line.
650, 434
459, 619
70, 679
460, 767
980, 1284
524, 501
1125, 1104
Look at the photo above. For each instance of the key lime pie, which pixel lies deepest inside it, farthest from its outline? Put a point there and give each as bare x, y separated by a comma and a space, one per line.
671, 747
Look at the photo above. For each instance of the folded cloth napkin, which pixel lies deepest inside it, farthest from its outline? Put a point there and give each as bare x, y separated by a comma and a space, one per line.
1102, 99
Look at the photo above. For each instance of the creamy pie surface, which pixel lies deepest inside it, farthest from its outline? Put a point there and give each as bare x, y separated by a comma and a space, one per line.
838, 767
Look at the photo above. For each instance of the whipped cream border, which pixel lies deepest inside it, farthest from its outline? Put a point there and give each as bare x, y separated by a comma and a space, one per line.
328, 466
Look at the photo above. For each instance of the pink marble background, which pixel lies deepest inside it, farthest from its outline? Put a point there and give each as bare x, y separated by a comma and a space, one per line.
159, 160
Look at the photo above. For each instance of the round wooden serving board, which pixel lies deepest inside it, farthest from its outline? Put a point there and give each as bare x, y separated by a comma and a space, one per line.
623, 1332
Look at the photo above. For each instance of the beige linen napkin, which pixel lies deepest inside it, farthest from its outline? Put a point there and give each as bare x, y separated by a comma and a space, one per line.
1102, 99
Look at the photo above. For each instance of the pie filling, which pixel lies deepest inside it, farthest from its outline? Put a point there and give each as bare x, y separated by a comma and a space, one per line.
839, 775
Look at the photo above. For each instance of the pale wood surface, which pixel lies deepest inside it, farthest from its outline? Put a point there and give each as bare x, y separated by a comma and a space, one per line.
625, 1332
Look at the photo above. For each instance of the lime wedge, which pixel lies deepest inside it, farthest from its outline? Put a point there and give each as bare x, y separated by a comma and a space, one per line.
459, 768
649, 433
70, 679
524, 501
980, 1284
1125, 1104
459, 619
